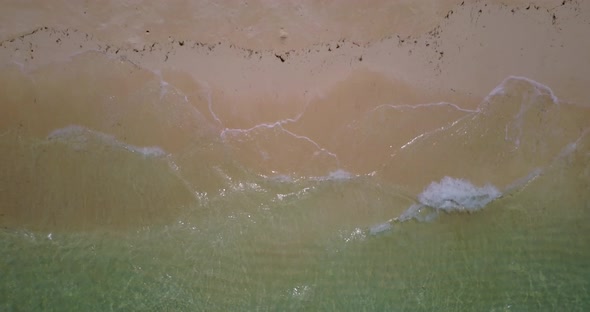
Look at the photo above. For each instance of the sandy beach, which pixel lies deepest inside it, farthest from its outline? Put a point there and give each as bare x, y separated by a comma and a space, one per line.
408, 155
267, 48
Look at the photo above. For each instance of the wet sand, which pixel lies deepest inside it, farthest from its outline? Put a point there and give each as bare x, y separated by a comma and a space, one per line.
288, 87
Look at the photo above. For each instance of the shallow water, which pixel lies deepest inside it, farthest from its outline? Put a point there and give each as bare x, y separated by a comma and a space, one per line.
129, 211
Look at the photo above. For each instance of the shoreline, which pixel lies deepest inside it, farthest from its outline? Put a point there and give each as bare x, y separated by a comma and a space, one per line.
338, 105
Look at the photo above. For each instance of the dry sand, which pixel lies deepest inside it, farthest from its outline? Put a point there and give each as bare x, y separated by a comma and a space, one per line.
447, 48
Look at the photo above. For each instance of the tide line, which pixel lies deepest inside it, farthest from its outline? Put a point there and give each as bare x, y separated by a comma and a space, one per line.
279, 124
403, 106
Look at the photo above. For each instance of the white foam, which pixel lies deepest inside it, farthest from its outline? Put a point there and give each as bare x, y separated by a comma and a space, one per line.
380, 228
448, 195
150, 151
299, 194
246, 186
207, 89
429, 133
300, 292
320, 148
67, 132
498, 91
513, 130
522, 182
279, 125
419, 212
79, 137
356, 235
165, 86
340, 175
539, 88
163, 83
337, 175
264, 125
410, 213
573, 146
406, 106
452, 194
281, 178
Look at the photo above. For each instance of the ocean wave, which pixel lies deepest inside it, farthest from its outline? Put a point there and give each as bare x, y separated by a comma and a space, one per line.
447, 195
80, 138
511, 82
451, 194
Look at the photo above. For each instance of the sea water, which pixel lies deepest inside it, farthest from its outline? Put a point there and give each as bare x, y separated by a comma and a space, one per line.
137, 202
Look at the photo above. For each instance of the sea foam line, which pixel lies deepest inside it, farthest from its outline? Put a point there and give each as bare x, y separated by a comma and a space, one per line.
501, 88
164, 85
207, 90
431, 132
451, 194
403, 106
81, 135
279, 124
428, 133
266, 125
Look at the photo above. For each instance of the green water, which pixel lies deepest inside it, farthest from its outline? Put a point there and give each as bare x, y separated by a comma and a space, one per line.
248, 251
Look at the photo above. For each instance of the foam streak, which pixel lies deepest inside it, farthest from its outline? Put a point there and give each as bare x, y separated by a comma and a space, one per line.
406, 106
80, 135
207, 90
279, 124
499, 90
429, 133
